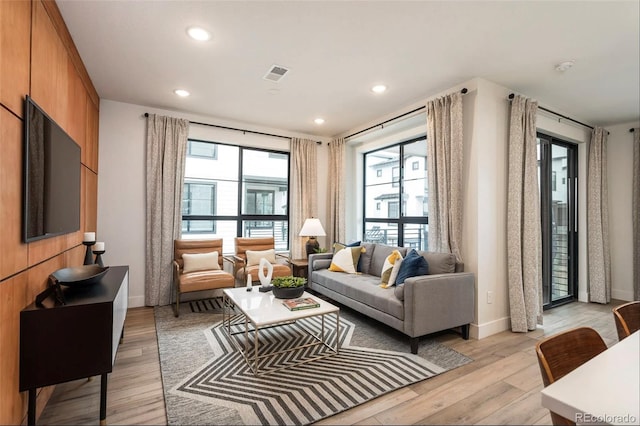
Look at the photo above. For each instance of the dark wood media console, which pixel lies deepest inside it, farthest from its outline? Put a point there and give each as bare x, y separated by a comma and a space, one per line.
76, 340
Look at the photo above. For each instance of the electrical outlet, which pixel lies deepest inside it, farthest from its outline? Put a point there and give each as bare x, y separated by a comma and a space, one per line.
489, 297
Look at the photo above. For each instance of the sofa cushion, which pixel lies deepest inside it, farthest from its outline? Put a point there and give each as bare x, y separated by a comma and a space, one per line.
364, 264
391, 264
398, 291
412, 265
363, 288
380, 254
321, 264
200, 262
346, 260
439, 263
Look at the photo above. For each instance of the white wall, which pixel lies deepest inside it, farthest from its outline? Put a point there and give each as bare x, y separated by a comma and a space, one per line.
121, 178
619, 175
486, 126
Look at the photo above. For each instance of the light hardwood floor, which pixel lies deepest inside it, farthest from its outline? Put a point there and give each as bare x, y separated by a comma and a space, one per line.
501, 386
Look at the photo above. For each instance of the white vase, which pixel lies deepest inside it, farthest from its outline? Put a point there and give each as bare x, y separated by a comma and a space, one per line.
265, 280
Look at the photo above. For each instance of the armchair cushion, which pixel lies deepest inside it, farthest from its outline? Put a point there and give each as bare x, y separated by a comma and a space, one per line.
200, 262
205, 280
254, 256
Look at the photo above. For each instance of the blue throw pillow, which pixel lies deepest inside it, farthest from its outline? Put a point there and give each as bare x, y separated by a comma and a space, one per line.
412, 266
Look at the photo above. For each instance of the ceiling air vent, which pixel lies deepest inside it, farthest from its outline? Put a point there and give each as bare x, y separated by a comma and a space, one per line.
276, 73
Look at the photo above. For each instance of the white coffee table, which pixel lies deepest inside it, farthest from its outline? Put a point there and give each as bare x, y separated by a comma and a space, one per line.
264, 310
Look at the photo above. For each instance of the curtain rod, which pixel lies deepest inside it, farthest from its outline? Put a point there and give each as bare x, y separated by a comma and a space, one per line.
463, 91
146, 114
512, 95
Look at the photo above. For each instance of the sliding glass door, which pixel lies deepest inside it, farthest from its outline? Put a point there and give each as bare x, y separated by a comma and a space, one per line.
557, 173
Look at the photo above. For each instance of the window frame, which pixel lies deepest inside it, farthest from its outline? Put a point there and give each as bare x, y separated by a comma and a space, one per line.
401, 220
241, 218
213, 187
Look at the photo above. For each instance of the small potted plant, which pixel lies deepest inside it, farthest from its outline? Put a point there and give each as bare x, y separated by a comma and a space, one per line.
288, 287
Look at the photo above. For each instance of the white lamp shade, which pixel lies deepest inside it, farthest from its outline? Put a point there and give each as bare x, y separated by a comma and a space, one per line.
312, 228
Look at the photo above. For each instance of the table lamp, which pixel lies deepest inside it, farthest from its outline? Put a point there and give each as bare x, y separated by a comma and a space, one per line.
312, 228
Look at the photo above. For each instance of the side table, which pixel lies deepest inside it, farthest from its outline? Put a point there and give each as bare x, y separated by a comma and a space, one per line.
299, 267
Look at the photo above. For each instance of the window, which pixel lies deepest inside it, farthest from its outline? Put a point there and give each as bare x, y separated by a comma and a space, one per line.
202, 149
379, 173
396, 208
395, 177
198, 200
557, 170
236, 191
393, 209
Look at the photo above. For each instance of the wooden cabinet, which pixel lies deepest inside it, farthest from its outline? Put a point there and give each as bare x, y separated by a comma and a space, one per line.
75, 340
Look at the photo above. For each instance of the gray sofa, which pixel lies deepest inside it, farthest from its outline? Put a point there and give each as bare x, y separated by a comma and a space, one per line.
424, 304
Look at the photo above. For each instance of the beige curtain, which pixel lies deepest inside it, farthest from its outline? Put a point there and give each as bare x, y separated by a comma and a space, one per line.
636, 213
166, 151
598, 258
444, 156
524, 233
336, 229
304, 164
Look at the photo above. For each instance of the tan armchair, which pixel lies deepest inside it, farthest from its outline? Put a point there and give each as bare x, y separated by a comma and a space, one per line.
241, 267
197, 268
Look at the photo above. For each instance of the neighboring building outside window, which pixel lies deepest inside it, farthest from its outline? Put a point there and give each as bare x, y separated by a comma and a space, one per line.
235, 191
396, 202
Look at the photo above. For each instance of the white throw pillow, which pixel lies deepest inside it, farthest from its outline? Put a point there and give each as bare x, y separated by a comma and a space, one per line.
254, 256
200, 261
391, 265
346, 260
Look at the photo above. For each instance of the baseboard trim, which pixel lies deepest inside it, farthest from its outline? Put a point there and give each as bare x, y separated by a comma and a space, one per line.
480, 331
625, 295
136, 301
583, 296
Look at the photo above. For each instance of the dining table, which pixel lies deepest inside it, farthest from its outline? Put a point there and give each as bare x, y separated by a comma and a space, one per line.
604, 390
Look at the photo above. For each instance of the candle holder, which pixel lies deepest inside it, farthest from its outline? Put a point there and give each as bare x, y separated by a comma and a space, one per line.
99, 254
88, 259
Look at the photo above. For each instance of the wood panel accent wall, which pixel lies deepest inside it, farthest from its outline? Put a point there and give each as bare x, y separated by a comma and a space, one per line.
38, 58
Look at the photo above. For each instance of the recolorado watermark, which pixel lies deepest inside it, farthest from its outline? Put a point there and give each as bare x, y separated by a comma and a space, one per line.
583, 418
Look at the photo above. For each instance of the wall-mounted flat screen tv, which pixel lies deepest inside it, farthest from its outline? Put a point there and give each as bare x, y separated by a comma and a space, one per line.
51, 197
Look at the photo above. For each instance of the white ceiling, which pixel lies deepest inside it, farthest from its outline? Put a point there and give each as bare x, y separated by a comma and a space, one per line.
138, 52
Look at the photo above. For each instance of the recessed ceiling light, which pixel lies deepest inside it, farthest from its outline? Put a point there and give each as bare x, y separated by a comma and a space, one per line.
379, 88
198, 33
319, 120
563, 66
181, 92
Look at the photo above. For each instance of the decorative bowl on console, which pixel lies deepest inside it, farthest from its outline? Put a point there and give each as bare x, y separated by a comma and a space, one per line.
288, 287
79, 276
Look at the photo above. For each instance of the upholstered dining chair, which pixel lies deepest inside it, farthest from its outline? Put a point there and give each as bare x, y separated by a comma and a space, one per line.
627, 318
562, 353
198, 265
248, 253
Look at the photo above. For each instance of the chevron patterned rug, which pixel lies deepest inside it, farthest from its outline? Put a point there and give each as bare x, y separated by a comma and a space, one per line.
207, 381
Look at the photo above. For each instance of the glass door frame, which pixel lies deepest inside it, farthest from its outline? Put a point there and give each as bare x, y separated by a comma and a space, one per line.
546, 205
